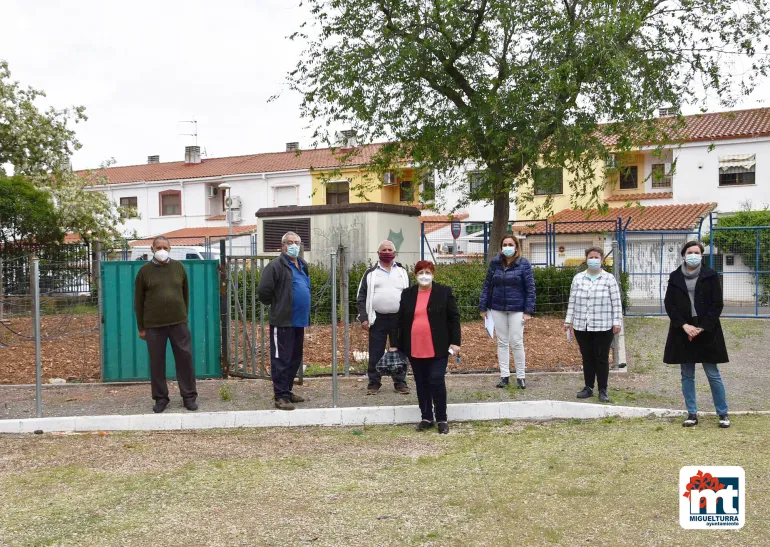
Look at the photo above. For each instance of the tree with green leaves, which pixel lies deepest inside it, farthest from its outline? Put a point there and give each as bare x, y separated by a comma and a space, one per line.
38, 144
34, 142
27, 213
512, 85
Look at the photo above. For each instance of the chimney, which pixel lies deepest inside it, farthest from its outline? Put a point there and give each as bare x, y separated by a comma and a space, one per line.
292, 146
192, 154
153, 159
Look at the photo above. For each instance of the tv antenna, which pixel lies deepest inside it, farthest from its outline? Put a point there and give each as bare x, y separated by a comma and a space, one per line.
195, 129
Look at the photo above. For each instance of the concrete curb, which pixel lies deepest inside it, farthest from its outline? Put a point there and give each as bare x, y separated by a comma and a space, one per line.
348, 416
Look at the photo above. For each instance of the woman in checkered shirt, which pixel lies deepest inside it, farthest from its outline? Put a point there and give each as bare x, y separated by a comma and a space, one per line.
594, 317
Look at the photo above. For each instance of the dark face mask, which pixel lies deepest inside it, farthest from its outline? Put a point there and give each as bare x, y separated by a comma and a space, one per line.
386, 257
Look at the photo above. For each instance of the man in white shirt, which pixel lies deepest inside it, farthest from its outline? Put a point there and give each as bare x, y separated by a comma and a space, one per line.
379, 296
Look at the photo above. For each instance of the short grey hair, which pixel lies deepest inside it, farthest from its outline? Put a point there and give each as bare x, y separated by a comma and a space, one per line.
384, 242
160, 238
287, 234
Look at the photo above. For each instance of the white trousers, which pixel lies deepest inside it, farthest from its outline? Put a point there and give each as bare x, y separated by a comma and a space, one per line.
509, 326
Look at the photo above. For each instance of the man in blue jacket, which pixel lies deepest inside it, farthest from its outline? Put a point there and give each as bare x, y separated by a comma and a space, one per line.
284, 285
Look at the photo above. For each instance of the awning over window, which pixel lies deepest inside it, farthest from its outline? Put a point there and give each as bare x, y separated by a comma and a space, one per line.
745, 162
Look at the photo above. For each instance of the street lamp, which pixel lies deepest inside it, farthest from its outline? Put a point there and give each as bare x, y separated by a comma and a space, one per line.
229, 203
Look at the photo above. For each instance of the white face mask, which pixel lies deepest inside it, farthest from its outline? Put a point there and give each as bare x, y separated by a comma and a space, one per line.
161, 255
425, 279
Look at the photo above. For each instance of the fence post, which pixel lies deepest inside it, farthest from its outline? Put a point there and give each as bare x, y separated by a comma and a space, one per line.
224, 308
2, 293
619, 341
334, 327
486, 242
711, 240
756, 276
345, 305
35, 266
422, 241
97, 275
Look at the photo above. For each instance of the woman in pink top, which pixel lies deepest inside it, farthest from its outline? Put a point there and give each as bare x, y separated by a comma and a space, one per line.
429, 326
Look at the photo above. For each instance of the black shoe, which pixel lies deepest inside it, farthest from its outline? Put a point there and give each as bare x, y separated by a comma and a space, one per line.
520, 383
283, 404
724, 421
443, 428
692, 419
585, 393
191, 405
425, 425
160, 406
603, 397
503, 382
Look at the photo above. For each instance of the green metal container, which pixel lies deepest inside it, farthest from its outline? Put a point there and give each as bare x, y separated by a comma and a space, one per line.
125, 357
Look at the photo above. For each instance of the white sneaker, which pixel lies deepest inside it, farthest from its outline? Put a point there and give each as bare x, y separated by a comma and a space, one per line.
724, 421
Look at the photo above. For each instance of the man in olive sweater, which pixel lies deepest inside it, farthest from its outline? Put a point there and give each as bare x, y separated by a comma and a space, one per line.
161, 303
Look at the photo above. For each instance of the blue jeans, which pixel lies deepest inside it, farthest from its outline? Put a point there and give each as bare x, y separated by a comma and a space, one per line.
715, 381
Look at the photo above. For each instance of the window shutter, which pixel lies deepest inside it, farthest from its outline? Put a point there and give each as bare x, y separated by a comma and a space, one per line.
273, 231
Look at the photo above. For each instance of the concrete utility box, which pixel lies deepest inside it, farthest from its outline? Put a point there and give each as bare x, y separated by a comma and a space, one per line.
359, 227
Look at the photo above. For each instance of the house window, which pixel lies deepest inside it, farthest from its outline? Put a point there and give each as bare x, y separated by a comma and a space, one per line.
129, 205
405, 193
548, 181
478, 184
170, 203
629, 178
285, 196
337, 193
737, 170
274, 230
661, 179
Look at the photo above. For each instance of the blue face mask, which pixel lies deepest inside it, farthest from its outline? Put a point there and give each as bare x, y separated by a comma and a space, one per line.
292, 250
594, 263
693, 260
509, 251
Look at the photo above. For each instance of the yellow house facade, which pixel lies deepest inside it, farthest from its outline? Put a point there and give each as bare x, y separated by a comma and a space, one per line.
643, 176
359, 185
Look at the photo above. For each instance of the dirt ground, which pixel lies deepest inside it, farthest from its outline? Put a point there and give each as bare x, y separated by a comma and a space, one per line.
73, 353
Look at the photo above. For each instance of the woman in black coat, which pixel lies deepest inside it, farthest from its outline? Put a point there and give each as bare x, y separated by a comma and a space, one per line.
429, 329
694, 304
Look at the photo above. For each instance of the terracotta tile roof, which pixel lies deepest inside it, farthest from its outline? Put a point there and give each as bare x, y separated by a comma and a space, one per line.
651, 218
322, 158
436, 222
217, 217
716, 126
641, 197
196, 236
72, 238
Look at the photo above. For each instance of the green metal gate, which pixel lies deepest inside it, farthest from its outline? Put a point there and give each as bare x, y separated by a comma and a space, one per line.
125, 356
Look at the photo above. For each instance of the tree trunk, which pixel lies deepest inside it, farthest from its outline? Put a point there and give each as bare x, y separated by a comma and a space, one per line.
502, 207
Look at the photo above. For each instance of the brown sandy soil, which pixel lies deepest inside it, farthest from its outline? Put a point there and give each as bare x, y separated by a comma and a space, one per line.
71, 348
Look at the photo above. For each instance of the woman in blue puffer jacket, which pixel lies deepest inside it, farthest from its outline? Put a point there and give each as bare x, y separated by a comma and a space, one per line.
509, 295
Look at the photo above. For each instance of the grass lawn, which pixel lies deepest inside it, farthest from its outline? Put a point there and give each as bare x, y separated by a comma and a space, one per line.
611, 482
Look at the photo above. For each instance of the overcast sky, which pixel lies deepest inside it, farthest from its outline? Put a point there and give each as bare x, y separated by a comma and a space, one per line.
139, 67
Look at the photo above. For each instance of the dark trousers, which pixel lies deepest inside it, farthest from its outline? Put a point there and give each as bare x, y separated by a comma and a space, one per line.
429, 378
385, 325
595, 349
181, 345
286, 346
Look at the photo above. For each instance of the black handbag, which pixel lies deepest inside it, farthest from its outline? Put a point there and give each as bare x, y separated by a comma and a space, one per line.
393, 363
